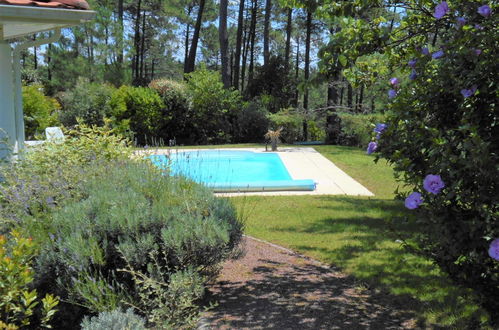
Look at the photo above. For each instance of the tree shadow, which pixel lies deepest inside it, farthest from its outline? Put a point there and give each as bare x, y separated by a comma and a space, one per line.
286, 291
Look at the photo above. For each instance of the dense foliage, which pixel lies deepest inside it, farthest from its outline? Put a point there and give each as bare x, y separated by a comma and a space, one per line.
216, 108
135, 221
138, 111
113, 232
19, 305
450, 113
40, 111
114, 320
87, 102
177, 109
291, 122
442, 133
356, 129
274, 85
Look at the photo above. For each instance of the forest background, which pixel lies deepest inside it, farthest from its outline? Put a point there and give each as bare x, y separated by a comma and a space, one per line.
220, 72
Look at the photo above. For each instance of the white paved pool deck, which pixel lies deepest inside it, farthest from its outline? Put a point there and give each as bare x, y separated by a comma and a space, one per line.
302, 163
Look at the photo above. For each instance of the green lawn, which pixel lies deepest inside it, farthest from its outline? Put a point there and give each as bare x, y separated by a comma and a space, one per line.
359, 235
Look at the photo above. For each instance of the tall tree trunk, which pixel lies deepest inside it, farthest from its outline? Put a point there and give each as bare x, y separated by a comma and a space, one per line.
252, 40
231, 66
119, 35
289, 28
35, 55
342, 93
246, 40
266, 27
106, 42
239, 37
224, 42
49, 59
135, 66
142, 48
349, 96
332, 93
361, 98
297, 68
187, 31
191, 60
307, 73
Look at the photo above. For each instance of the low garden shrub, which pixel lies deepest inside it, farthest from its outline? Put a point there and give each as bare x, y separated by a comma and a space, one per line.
139, 112
88, 102
114, 320
356, 129
291, 122
114, 232
21, 306
138, 228
50, 176
40, 111
177, 112
214, 108
252, 122
316, 133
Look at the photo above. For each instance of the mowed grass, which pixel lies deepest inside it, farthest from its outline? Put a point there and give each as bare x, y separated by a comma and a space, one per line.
361, 236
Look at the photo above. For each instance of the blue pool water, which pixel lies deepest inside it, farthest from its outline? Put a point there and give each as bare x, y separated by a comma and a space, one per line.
230, 170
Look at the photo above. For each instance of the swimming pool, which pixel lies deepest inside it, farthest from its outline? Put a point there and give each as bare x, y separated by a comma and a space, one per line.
232, 170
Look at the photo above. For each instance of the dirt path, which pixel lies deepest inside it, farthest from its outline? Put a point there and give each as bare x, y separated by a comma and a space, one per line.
273, 288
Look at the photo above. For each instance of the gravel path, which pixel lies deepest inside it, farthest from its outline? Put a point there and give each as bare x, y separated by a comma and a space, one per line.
274, 288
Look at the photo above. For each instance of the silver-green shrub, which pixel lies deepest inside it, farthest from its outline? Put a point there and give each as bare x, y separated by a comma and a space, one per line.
135, 220
114, 320
47, 177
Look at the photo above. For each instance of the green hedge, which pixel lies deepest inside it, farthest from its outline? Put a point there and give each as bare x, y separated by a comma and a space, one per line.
139, 111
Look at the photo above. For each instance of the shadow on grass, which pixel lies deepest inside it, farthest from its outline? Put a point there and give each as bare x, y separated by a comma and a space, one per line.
366, 245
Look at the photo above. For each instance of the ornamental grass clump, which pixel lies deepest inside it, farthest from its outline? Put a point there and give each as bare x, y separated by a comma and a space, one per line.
273, 137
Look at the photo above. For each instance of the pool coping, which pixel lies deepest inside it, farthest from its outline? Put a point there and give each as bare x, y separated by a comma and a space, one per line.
301, 163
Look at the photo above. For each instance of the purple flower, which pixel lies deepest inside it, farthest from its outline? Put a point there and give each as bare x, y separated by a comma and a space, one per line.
433, 184
413, 200
438, 54
477, 51
413, 74
425, 51
494, 249
412, 63
461, 21
392, 93
469, 92
441, 10
478, 27
380, 128
484, 10
371, 147
394, 82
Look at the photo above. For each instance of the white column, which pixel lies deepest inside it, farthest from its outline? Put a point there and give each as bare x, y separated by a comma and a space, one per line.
7, 114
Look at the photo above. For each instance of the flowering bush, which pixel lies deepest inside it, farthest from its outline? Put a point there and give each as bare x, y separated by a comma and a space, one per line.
443, 139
